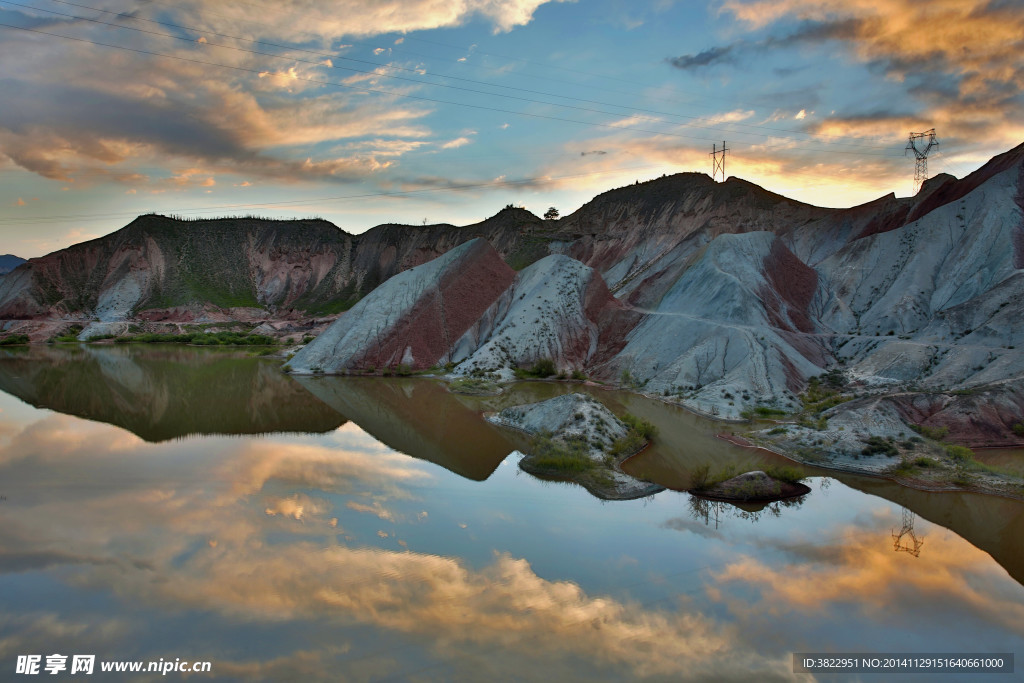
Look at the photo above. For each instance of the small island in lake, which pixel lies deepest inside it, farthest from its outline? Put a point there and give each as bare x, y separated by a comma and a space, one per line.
577, 438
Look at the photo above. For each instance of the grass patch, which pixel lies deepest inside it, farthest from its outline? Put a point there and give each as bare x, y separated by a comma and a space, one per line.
786, 473
14, 340
199, 339
473, 386
702, 478
934, 433
640, 432
820, 423
824, 392
628, 444
70, 336
910, 467
565, 457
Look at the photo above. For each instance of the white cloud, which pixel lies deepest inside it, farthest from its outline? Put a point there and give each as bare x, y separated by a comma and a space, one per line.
456, 143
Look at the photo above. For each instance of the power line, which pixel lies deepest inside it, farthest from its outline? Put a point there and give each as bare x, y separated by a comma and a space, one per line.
387, 92
419, 81
544, 65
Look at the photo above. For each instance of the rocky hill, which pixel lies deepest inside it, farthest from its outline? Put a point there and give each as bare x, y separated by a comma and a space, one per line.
721, 296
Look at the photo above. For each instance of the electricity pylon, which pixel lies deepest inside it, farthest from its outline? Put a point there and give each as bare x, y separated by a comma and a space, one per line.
716, 163
905, 540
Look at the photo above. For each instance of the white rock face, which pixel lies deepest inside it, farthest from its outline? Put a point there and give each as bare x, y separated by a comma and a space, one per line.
710, 336
117, 301
542, 315
935, 301
419, 311
372, 318
571, 415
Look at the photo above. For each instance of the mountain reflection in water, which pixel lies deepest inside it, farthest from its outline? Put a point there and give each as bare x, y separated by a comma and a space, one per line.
333, 556
166, 391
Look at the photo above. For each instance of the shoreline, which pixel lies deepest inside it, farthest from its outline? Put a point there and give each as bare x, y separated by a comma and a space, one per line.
914, 484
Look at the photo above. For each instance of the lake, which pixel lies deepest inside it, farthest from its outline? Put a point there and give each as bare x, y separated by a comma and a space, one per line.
174, 503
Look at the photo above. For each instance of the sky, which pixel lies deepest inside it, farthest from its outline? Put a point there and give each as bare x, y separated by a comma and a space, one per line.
445, 111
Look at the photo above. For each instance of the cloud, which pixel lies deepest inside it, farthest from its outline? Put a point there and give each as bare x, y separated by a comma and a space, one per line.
148, 112
324, 20
959, 59
456, 143
376, 509
945, 584
298, 507
232, 133
728, 117
219, 540
706, 58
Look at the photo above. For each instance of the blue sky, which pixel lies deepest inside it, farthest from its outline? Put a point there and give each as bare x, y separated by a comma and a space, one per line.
445, 111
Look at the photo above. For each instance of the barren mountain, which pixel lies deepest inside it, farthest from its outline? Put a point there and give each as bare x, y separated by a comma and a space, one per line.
722, 296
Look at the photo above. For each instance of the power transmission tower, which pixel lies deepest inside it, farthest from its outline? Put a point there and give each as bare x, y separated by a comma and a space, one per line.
905, 540
916, 144
716, 163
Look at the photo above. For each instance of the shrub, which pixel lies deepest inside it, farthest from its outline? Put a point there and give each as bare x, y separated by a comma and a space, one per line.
876, 444
644, 428
768, 411
631, 443
699, 477
959, 453
543, 367
1018, 429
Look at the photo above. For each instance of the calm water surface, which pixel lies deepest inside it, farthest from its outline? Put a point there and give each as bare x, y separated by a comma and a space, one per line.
168, 502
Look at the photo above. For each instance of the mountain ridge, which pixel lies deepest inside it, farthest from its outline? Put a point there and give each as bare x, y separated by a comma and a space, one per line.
723, 296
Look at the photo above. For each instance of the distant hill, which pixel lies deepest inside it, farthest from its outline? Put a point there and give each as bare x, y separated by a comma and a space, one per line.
9, 262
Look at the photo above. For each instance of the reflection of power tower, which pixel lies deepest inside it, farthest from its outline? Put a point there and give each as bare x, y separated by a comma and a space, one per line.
907, 530
716, 163
916, 144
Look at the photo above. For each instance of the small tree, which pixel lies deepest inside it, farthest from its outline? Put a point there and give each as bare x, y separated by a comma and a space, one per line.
551, 214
